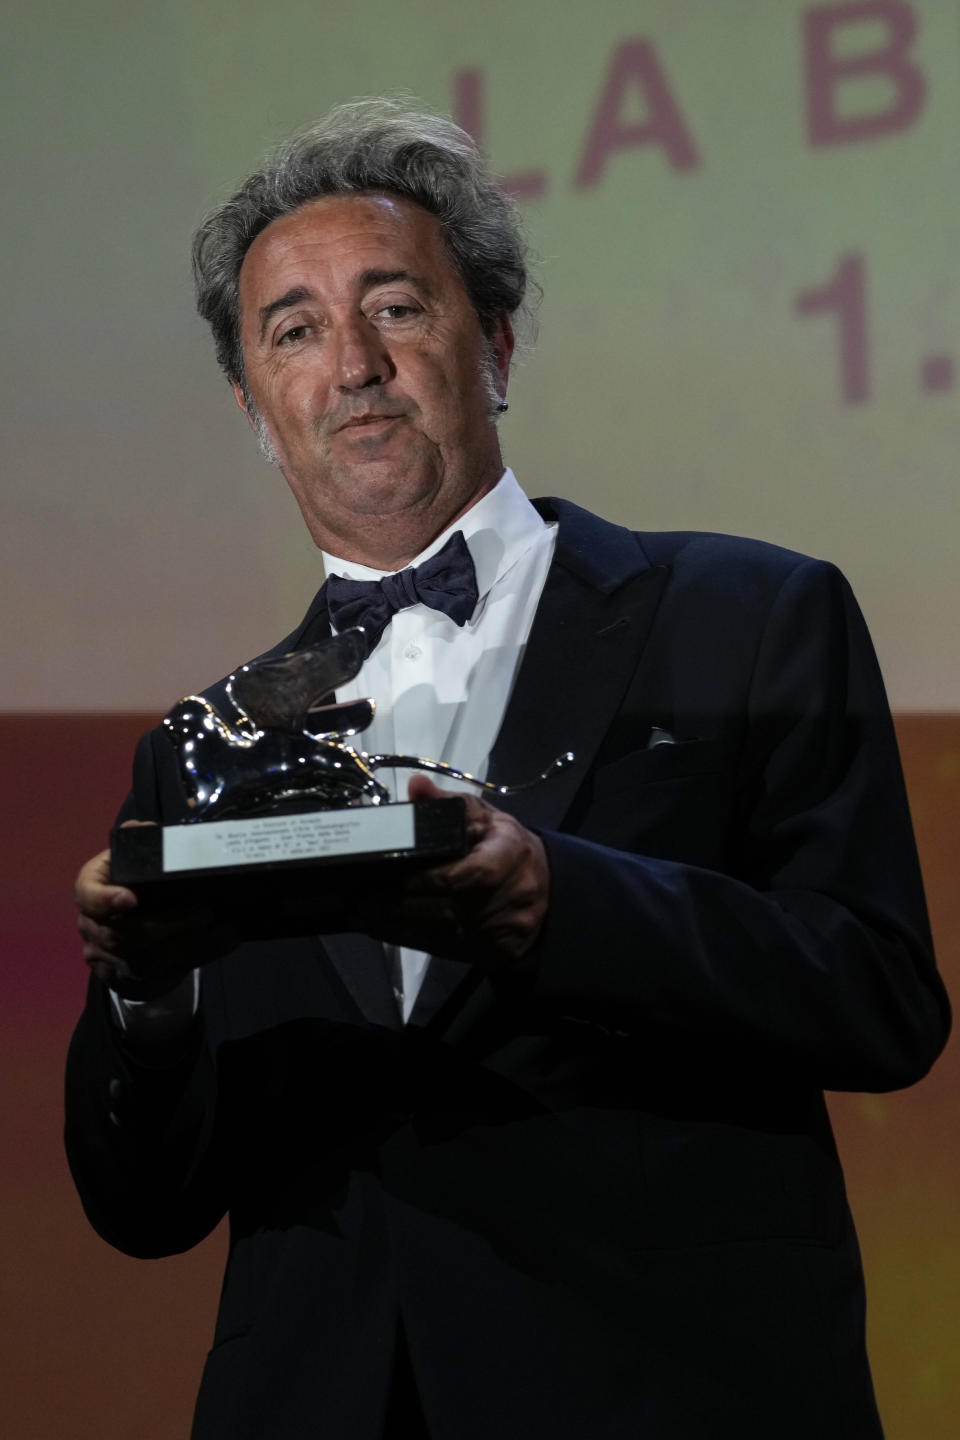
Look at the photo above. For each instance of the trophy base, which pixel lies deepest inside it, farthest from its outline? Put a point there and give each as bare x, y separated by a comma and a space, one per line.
290, 873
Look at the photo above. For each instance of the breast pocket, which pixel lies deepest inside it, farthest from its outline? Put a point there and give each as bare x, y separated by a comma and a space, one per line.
671, 801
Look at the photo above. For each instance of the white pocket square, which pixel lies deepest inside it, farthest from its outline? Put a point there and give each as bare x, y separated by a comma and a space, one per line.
659, 736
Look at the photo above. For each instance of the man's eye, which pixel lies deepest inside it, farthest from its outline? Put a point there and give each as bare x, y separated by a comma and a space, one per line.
397, 312
296, 332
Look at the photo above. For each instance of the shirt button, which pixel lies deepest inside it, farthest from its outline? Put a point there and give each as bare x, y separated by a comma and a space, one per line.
413, 652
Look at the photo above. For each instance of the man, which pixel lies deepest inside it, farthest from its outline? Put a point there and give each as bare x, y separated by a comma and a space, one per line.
572, 1175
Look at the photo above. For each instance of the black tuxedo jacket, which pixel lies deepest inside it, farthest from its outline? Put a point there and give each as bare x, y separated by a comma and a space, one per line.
601, 1194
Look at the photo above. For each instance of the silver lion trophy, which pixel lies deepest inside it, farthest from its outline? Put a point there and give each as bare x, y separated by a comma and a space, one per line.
286, 825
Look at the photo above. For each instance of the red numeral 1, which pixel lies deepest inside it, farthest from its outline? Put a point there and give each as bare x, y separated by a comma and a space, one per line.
845, 295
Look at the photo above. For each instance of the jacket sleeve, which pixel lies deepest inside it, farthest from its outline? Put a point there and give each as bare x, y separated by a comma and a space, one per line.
140, 1136
810, 947
140, 1122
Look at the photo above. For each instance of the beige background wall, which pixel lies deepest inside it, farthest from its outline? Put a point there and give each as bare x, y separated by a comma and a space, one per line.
695, 169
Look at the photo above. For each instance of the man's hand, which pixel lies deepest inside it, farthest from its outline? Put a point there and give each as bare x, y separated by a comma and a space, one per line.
142, 954
488, 907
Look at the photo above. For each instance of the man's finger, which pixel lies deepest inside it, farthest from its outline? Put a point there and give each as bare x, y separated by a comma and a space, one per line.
94, 893
421, 787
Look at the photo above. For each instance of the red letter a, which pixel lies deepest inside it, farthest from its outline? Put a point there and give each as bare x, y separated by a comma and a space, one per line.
634, 62
825, 71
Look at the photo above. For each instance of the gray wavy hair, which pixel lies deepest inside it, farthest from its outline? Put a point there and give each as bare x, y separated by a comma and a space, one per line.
368, 145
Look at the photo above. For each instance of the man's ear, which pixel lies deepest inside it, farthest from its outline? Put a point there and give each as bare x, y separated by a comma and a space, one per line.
241, 400
503, 345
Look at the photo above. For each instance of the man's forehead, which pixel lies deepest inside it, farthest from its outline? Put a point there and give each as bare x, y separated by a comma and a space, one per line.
344, 232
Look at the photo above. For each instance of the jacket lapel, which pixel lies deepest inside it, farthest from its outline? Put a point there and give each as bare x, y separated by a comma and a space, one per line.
591, 625
589, 632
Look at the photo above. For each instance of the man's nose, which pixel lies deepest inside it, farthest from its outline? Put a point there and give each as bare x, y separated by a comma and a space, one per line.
361, 356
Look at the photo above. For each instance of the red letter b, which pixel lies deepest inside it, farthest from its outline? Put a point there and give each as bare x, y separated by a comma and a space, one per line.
825, 71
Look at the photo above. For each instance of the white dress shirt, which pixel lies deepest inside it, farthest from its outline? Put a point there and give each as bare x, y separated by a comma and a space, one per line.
441, 690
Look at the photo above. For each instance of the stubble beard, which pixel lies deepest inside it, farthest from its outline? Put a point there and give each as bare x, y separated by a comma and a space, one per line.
264, 440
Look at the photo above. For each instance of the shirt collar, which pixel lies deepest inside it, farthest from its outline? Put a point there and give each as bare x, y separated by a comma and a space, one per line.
498, 529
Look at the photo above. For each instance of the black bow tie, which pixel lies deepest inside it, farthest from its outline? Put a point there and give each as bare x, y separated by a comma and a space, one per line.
446, 582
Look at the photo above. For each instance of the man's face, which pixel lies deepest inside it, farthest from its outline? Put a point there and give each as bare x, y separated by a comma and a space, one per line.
366, 362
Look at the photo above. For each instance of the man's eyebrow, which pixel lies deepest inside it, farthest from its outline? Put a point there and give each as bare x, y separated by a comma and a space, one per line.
371, 278
283, 302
